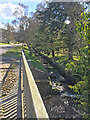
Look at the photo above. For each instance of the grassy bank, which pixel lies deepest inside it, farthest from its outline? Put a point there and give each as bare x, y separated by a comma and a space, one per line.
34, 60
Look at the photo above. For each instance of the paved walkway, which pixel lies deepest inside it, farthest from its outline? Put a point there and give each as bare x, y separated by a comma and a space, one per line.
5, 48
9, 103
9, 89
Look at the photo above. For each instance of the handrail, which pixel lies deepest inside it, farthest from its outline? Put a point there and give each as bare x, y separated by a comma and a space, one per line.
34, 105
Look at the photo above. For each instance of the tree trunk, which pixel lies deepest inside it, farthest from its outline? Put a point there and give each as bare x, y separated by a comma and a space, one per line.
79, 53
70, 56
53, 54
8, 42
63, 49
48, 53
30, 52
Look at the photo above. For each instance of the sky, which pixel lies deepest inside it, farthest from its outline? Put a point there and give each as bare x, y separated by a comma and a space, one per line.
7, 9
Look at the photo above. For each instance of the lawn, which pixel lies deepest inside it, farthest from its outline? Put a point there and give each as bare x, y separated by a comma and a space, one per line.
14, 52
62, 58
4, 44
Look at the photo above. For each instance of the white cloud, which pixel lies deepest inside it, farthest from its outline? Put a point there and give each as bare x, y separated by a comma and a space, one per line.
7, 10
2, 26
22, 0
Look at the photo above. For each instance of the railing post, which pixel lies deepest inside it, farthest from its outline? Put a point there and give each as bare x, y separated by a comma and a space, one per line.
19, 105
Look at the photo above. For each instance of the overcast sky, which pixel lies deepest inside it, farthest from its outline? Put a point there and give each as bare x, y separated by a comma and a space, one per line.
7, 9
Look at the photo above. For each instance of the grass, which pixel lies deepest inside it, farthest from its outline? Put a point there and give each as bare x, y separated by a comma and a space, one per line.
62, 58
14, 52
3, 44
34, 60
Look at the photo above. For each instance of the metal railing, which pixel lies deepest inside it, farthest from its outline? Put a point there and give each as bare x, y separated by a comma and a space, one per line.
34, 105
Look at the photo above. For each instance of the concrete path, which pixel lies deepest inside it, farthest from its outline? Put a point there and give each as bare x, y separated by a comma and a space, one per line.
10, 102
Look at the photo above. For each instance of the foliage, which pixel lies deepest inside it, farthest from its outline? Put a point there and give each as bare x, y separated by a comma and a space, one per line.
54, 35
47, 31
8, 34
81, 67
74, 37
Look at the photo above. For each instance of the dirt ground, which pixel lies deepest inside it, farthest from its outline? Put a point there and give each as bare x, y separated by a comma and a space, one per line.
57, 105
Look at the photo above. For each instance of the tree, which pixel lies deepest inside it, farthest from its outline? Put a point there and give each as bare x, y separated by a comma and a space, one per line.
53, 18
49, 18
26, 26
72, 11
8, 33
82, 87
